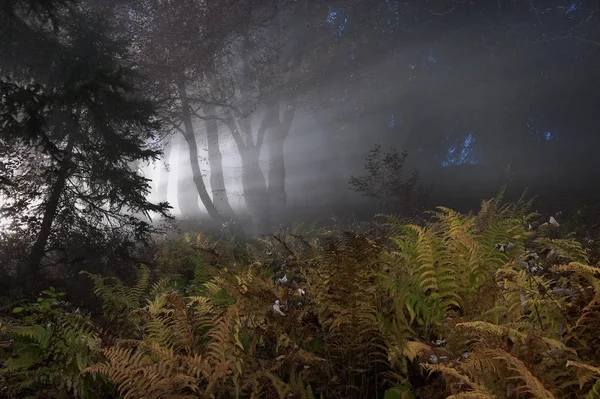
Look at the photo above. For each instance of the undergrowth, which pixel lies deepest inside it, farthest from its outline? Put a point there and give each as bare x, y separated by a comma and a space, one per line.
489, 305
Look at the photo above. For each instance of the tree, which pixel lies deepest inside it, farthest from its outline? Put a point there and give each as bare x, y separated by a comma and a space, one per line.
385, 182
217, 181
261, 68
86, 125
176, 44
180, 45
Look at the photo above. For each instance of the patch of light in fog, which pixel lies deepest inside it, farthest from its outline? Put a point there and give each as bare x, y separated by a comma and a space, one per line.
461, 152
179, 172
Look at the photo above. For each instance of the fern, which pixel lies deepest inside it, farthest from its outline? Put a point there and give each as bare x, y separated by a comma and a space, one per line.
361, 316
115, 295
170, 360
436, 278
118, 298
161, 286
585, 333
528, 382
296, 387
52, 347
567, 249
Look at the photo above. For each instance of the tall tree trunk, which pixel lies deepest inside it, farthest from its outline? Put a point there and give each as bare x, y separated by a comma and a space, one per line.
187, 194
254, 183
215, 159
255, 189
31, 267
190, 138
276, 172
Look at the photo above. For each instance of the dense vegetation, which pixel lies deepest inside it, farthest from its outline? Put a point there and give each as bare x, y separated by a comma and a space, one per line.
98, 300
498, 304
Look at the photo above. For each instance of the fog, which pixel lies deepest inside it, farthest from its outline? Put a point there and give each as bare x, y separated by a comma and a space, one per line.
285, 100
479, 95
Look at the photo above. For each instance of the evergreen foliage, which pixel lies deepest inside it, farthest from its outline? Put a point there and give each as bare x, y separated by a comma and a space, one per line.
81, 124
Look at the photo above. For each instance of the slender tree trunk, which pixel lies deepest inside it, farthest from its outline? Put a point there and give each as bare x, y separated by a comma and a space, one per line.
190, 138
253, 178
215, 159
255, 189
276, 172
187, 194
31, 267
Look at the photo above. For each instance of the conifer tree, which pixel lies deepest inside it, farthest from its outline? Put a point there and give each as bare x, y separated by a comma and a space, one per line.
85, 122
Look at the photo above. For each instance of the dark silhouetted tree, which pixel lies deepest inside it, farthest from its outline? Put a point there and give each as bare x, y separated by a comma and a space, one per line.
85, 126
385, 181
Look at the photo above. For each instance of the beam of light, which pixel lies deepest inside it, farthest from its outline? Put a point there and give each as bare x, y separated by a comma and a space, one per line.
179, 172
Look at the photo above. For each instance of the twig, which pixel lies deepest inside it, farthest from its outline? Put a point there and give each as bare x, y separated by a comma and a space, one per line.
441, 14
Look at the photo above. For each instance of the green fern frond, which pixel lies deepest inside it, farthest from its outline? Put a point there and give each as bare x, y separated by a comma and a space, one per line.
594, 392
568, 249
41, 335
116, 295
161, 286
139, 289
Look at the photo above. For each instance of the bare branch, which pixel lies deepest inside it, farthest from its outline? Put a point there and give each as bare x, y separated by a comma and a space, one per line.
174, 125
595, 43
441, 14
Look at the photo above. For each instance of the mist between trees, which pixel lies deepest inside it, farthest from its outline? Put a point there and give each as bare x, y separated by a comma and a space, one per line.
115, 114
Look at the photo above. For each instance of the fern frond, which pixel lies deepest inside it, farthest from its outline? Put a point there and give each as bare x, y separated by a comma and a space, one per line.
580, 268
414, 349
136, 293
283, 389
161, 286
585, 372
566, 248
529, 383
220, 349
41, 335
435, 274
450, 373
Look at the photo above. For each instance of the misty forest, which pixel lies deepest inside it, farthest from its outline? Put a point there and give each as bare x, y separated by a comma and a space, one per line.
392, 199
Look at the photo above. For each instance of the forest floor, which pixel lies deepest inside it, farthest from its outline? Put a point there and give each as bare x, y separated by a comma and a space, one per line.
501, 303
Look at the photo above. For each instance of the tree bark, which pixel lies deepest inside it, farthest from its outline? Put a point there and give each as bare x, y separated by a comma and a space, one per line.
187, 194
253, 178
31, 267
276, 172
215, 159
190, 138
255, 189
